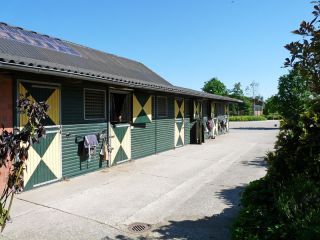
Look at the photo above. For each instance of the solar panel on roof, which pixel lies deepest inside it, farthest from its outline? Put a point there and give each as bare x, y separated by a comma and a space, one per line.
35, 39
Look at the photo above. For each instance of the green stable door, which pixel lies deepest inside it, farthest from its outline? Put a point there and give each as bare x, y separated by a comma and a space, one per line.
44, 163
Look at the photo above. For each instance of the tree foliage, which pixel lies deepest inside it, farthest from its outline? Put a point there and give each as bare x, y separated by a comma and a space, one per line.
244, 108
14, 148
292, 95
236, 91
215, 86
271, 105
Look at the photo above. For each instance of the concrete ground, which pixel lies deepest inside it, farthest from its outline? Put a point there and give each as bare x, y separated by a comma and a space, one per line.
188, 193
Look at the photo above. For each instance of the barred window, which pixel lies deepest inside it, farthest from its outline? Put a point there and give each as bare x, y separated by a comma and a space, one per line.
94, 104
162, 106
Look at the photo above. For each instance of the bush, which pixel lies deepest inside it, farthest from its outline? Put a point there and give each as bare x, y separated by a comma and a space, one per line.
290, 210
247, 118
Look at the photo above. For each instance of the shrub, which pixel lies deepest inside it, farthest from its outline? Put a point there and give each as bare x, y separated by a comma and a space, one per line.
290, 210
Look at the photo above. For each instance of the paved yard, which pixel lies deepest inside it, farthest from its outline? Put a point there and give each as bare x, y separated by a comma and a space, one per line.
187, 193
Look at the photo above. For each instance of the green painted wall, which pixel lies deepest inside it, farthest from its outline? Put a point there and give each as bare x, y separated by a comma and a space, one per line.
72, 164
165, 129
143, 140
74, 125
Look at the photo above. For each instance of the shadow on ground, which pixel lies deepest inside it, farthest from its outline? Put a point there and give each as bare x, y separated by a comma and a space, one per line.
213, 227
258, 162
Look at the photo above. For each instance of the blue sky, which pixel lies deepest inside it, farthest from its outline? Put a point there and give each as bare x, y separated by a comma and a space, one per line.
186, 42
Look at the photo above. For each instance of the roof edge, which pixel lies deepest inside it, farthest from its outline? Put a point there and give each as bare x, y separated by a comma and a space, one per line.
134, 83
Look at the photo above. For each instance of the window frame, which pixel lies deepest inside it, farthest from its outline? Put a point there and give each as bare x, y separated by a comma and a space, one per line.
104, 103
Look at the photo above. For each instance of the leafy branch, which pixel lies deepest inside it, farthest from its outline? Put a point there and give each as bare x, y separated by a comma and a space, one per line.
305, 55
14, 148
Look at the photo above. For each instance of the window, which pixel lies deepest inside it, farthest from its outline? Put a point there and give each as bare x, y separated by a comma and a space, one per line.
120, 108
162, 107
94, 104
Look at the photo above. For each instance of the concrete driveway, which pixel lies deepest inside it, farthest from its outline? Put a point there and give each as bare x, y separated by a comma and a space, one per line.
188, 193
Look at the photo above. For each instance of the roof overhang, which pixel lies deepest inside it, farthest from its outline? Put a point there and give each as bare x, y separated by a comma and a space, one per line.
27, 65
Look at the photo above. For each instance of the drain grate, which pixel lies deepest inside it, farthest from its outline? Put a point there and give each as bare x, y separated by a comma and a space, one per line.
139, 227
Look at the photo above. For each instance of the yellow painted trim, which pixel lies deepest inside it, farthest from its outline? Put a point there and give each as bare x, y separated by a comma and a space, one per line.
51, 158
54, 106
126, 143
176, 108
136, 108
148, 108
182, 108
31, 165
23, 119
182, 133
212, 110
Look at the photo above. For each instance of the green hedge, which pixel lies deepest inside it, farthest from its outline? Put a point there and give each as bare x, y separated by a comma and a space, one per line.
247, 118
273, 116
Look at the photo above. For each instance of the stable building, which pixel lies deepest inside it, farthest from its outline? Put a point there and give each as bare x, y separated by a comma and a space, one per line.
133, 111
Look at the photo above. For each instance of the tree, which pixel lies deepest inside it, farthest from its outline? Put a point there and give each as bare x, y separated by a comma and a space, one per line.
236, 91
244, 108
215, 86
271, 105
252, 90
292, 96
14, 148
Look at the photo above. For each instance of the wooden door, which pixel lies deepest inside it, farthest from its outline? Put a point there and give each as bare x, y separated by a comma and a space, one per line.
179, 122
120, 136
44, 164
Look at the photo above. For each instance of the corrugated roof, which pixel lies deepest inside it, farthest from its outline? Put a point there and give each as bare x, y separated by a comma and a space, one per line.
26, 50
